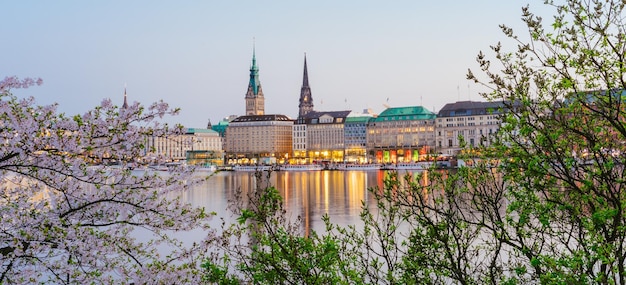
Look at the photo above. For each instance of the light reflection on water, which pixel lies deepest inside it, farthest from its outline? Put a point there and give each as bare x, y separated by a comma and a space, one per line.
308, 194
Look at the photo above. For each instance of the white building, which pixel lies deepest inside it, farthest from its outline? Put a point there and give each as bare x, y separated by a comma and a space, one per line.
471, 121
324, 138
177, 147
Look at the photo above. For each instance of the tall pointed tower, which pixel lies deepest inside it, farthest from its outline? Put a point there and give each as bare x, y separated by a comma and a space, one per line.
306, 99
255, 102
125, 105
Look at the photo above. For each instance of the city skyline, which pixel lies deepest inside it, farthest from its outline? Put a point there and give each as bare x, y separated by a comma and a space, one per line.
197, 55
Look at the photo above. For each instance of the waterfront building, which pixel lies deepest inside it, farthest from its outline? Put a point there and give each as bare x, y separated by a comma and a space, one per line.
355, 138
255, 101
401, 134
259, 139
325, 139
205, 146
299, 155
471, 121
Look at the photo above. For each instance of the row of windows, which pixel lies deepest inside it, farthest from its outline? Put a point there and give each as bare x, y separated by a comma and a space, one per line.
355, 137
491, 117
471, 142
451, 125
462, 132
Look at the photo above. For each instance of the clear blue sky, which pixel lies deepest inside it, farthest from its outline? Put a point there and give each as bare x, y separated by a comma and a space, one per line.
196, 55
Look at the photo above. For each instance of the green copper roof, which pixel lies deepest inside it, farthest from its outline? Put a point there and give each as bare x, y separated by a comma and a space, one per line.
405, 114
359, 119
254, 74
198, 131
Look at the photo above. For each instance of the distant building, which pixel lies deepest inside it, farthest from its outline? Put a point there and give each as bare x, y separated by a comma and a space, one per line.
205, 143
471, 121
222, 125
203, 147
402, 134
299, 155
255, 101
259, 139
355, 138
325, 140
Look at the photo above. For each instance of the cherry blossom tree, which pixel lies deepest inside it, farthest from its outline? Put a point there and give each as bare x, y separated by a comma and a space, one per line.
67, 220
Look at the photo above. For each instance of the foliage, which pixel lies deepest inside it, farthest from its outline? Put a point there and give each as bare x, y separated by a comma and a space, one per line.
65, 219
543, 204
266, 247
563, 146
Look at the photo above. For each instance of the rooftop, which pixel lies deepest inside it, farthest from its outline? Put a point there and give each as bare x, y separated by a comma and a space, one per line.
260, 118
191, 131
404, 114
470, 108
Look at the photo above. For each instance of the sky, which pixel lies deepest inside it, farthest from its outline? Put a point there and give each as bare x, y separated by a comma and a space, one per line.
196, 55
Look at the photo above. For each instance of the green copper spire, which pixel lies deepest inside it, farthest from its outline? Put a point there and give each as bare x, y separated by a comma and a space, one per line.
254, 73
255, 101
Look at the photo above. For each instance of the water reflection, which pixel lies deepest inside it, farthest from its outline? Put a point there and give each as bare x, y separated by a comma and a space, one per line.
307, 194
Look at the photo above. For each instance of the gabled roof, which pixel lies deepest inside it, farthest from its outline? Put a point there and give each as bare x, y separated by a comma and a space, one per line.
405, 114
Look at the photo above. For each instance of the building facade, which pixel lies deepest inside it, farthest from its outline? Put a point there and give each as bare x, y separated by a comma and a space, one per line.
204, 147
299, 143
469, 121
325, 139
259, 139
206, 143
355, 138
403, 134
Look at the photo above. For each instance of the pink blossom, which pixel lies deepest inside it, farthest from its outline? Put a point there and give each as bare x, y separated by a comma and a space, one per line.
10, 82
65, 214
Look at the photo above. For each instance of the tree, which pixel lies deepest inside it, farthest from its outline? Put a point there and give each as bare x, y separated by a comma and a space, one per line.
266, 247
66, 220
563, 149
543, 204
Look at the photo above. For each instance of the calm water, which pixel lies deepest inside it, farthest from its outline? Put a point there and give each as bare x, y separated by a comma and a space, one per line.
308, 194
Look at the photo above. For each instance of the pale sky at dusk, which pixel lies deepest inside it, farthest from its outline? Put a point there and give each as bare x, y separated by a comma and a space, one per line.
196, 55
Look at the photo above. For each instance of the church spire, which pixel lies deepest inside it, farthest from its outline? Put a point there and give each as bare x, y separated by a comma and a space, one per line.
305, 77
306, 99
125, 105
255, 102
254, 73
